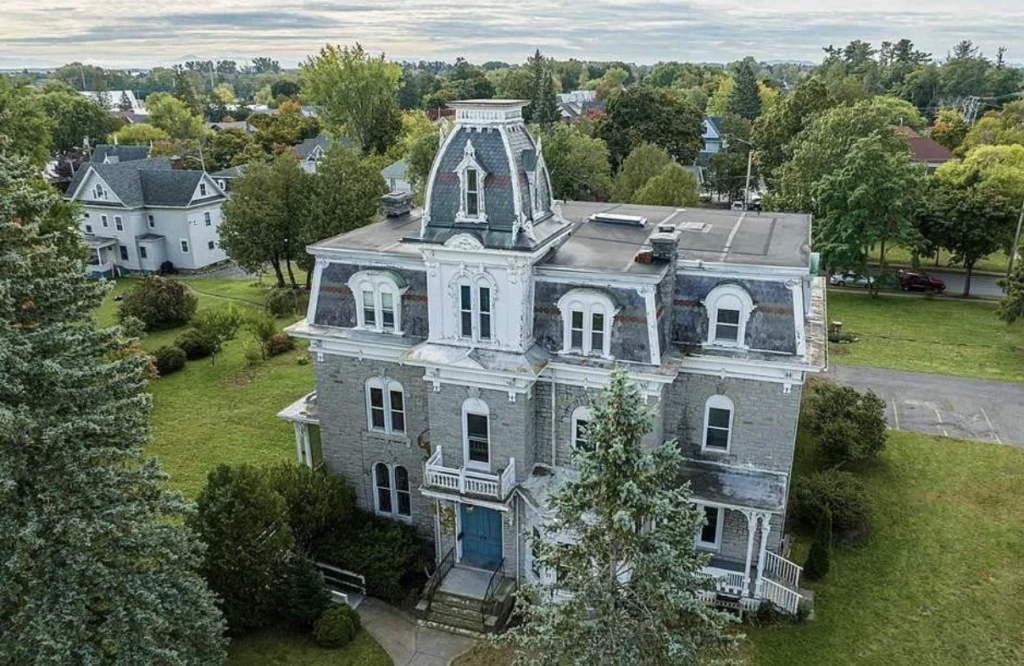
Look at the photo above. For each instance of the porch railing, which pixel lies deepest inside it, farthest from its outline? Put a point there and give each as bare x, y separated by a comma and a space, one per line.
437, 577
783, 597
780, 570
467, 481
492, 584
725, 580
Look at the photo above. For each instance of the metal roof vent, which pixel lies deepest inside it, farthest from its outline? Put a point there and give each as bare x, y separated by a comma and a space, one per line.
622, 220
699, 227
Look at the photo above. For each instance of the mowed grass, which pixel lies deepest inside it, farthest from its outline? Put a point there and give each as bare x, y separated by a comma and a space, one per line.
921, 334
939, 580
280, 648
224, 412
898, 256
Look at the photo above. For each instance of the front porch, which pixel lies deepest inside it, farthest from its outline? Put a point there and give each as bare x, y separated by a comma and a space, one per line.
778, 581
304, 415
467, 599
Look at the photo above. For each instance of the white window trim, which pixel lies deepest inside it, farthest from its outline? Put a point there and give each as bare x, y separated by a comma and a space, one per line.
393, 488
480, 408
579, 414
378, 282
118, 223
151, 221
717, 402
105, 221
717, 544
731, 297
184, 245
474, 283
207, 218
202, 189
386, 386
590, 302
469, 162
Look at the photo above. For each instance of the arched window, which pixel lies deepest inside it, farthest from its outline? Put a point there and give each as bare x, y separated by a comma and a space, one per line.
580, 424
718, 418
98, 192
728, 307
475, 300
382, 483
587, 317
476, 434
385, 405
378, 297
392, 496
471, 180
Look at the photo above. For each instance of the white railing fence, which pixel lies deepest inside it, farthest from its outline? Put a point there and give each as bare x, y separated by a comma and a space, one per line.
780, 570
466, 481
725, 580
783, 597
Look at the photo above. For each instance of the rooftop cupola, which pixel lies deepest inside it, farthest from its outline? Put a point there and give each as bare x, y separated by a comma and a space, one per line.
488, 179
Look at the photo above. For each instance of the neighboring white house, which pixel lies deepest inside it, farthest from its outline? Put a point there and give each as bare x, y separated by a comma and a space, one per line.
140, 213
311, 151
112, 100
396, 175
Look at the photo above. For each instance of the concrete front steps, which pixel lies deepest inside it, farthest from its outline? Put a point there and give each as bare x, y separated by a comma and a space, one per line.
454, 611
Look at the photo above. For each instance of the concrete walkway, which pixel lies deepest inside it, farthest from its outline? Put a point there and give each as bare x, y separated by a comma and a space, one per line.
407, 643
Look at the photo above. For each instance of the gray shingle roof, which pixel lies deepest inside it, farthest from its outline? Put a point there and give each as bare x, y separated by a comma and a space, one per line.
396, 170
150, 182
305, 149
105, 151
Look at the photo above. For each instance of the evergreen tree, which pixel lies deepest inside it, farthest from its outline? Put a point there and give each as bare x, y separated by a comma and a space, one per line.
630, 579
184, 91
543, 108
744, 99
96, 567
1011, 307
819, 557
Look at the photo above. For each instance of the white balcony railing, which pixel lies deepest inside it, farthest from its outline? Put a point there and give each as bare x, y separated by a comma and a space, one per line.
467, 481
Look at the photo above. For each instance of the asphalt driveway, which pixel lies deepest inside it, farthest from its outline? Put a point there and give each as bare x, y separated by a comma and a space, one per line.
946, 406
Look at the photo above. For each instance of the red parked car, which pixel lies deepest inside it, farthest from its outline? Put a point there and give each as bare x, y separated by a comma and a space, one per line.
909, 280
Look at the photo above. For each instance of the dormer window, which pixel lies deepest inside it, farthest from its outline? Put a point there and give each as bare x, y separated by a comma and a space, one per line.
98, 192
202, 189
471, 180
378, 296
729, 306
587, 316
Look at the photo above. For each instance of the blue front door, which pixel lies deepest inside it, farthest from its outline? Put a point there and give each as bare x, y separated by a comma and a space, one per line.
481, 535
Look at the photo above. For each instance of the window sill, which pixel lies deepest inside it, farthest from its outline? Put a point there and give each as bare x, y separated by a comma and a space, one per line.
581, 354
372, 329
711, 548
713, 451
724, 346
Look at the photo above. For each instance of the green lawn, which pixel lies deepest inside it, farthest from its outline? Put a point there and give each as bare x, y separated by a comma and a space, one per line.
898, 256
920, 334
939, 580
278, 648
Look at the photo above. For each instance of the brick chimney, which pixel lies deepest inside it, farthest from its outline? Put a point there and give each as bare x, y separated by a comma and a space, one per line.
665, 243
397, 204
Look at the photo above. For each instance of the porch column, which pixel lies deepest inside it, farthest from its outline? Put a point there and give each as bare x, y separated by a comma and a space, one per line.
751, 528
307, 445
766, 528
298, 441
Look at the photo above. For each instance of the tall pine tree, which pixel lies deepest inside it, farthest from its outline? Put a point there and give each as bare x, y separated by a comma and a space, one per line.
95, 565
543, 108
629, 581
744, 100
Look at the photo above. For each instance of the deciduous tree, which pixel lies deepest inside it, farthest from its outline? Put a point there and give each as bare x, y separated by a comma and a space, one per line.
656, 116
643, 163
674, 186
578, 164
23, 121
174, 117
75, 119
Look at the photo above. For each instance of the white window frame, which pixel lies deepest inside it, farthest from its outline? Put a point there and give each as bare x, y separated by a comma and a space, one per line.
475, 284
207, 218
99, 192
717, 402
142, 252
119, 223
151, 221
183, 244
202, 189
378, 283
105, 221
386, 386
579, 414
728, 297
477, 407
469, 162
720, 523
393, 491
588, 302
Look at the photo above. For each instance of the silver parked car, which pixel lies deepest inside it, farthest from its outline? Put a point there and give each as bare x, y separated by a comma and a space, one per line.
850, 279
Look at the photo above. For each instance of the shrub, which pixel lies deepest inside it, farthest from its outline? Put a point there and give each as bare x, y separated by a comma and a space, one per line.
282, 302
159, 303
253, 353
262, 327
335, 628
303, 597
169, 359
819, 558
218, 326
279, 343
388, 553
320, 505
195, 344
132, 327
838, 492
848, 426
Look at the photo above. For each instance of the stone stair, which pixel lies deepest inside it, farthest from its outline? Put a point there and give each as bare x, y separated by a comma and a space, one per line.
457, 612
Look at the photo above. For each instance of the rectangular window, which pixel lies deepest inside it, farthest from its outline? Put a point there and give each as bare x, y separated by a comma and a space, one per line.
472, 193
103, 219
209, 245
142, 252
184, 246
597, 333
369, 310
709, 534
476, 432
717, 436
485, 313
397, 411
206, 218
387, 310
377, 408
118, 223
124, 253
727, 327
152, 221
88, 228
202, 189
581, 435
466, 310
383, 483
86, 215
402, 491
576, 330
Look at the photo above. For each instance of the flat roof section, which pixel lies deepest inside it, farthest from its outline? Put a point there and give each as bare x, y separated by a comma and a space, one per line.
384, 236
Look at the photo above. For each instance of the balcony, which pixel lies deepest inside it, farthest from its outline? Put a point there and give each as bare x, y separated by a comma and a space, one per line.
462, 481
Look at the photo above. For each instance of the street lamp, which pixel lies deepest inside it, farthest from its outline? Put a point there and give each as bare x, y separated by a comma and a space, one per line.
750, 158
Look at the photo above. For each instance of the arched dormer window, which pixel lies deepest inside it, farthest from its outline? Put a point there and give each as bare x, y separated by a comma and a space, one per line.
471, 180
378, 297
476, 434
98, 192
474, 301
587, 317
729, 306
718, 420
580, 424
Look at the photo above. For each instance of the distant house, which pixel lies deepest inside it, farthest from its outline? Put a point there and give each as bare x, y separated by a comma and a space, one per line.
576, 104
226, 177
112, 100
396, 176
106, 153
714, 142
139, 213
311, 151
233, 124
926, 150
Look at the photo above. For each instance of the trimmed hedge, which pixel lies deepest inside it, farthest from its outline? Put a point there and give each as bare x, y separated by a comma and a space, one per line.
335, 628
195, 344
169, 359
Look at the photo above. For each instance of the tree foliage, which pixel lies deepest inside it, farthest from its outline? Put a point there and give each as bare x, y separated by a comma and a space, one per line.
674, 186
645, 114
744, 99
218, 326
174, 117
140, 134
641, 165
1011, 306
75, 119
23, 121
160, 303
950, 129
96, 565
543, 107
819, 558
578, 164
628, 582
774, 131
849, 426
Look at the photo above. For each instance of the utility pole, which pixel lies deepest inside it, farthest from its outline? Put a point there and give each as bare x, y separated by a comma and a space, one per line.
1016, 240
746, 189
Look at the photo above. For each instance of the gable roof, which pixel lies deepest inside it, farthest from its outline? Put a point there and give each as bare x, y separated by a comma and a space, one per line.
106, 152
396, 170
306, 148
712, 127
924, 148
150, 182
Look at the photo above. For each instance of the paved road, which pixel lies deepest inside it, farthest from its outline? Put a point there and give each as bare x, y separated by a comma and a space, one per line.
948, 406
982, 286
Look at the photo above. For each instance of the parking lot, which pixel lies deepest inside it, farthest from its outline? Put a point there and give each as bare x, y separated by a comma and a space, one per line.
944, 406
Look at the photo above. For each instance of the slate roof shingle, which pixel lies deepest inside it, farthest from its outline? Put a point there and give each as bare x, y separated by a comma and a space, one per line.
149, 182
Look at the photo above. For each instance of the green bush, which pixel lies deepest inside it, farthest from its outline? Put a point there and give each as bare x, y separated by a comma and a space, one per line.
279, 343
303, 597
819, 558
195, 344
839, 493
388, 553
335, 628
169, 359
132, 327
262, 327
282, 302
321, 505
848, 426
160, 303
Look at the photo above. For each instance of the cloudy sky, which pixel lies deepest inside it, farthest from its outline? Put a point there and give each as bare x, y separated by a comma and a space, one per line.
134, 33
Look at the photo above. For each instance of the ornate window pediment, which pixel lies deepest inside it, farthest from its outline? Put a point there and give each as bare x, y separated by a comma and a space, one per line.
378, 297
729, 306
471, 185
587, 316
